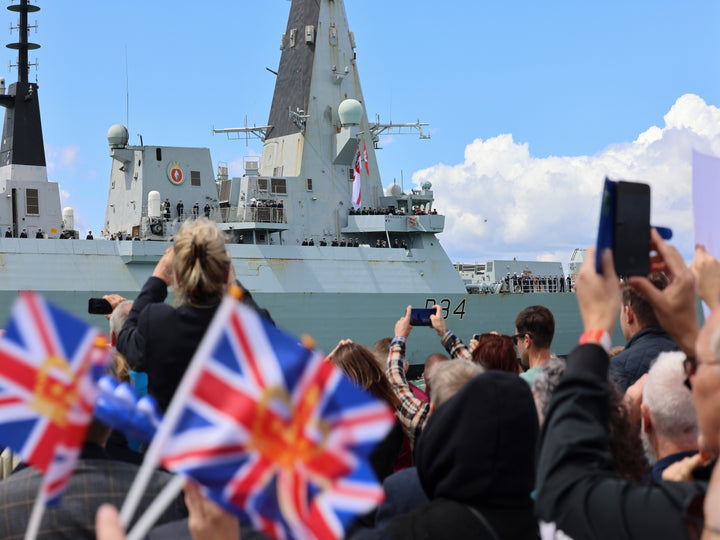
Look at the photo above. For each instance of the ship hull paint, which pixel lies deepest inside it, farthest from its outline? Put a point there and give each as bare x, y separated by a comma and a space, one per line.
359, 293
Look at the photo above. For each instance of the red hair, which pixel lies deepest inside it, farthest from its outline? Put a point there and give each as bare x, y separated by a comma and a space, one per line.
496, 351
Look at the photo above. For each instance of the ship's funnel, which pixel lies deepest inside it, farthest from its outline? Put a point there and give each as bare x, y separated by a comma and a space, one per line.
154, 205
68, 219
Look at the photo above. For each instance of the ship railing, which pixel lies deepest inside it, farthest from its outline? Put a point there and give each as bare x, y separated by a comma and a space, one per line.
251, 214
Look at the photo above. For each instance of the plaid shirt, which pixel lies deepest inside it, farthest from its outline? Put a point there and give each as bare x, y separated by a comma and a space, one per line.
413, 411
455, 348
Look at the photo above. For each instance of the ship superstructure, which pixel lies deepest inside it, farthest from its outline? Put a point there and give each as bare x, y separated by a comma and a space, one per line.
31, 204
300, 240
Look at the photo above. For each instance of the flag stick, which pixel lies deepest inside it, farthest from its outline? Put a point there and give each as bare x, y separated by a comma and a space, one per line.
177, 405
36, 516
158, 506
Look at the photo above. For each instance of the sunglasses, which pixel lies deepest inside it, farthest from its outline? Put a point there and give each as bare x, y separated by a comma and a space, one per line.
690, 366
515, 337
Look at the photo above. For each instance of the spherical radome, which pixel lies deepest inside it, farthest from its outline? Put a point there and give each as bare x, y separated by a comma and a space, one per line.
118, 136
350, 112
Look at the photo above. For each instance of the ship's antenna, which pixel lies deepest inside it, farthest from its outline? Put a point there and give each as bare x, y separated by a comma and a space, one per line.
23, 46
402, 181
127, 92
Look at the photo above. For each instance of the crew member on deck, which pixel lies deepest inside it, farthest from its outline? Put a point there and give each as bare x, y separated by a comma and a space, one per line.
23, 234
89, 236
179, 208
39, 234
8, 233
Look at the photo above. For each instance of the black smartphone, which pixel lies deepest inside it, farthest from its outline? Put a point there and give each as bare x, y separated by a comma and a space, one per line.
99, 306
631, 249
421, 317
476, 337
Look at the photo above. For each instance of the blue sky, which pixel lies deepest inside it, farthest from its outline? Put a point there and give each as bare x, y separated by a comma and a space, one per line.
530, 104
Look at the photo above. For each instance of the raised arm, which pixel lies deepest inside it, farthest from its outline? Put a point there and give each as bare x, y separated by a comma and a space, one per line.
453, 345
413, 411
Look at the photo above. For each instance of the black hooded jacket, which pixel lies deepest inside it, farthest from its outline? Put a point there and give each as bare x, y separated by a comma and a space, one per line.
477, 454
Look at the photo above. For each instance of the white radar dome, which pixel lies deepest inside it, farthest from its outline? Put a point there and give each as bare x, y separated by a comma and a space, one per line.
118, 136
393, 190
68, 218
154, 204
350, 112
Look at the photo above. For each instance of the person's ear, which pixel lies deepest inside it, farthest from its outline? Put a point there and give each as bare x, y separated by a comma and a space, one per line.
647, 424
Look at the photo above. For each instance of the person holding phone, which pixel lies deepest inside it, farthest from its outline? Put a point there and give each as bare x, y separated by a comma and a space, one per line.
577, 490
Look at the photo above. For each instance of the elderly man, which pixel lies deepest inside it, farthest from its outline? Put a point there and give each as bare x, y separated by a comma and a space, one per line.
577, 489
669, 424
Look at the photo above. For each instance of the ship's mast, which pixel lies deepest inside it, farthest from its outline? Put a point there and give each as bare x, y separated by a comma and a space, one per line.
22, 142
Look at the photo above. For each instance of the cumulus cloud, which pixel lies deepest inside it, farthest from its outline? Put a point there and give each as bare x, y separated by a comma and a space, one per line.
501, 202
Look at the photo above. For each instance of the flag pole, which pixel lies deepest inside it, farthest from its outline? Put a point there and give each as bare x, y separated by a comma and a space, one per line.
158, 506
36, 515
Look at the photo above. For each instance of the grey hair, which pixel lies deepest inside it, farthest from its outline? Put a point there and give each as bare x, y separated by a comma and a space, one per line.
668, 400
119, 315
544, 382
447, 378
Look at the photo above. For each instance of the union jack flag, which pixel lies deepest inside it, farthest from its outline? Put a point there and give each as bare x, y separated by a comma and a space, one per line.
273, 431
49, 363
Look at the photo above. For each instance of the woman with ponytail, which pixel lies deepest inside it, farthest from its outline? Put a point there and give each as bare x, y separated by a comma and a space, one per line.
160, 339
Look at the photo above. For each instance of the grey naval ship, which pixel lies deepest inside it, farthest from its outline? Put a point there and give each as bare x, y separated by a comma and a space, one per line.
316, 182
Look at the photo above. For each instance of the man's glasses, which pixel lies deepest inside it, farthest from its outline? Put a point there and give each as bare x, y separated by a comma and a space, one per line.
690, 366
515, 337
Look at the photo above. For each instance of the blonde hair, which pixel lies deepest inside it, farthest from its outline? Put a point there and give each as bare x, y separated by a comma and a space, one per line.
201, 262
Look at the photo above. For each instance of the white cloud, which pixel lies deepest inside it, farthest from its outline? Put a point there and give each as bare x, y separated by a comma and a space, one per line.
62, 158
501, 202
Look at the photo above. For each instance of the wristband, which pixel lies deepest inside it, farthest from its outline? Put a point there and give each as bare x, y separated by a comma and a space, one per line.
596, 335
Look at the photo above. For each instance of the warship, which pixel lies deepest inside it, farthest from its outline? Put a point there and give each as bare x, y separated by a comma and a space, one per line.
304, 223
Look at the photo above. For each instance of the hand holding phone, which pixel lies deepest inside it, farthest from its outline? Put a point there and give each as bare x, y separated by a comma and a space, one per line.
99, 306
421, 316
625, 227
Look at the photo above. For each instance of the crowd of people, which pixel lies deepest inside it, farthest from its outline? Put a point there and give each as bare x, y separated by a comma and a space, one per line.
530, 283
390, 211
500, 439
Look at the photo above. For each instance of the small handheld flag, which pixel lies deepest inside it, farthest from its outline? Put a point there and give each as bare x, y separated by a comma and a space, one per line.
272, 431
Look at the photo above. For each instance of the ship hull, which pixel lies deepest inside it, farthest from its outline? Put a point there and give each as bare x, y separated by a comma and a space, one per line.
328, 293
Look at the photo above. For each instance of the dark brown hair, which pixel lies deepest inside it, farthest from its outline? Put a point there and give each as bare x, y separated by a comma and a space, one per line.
538, 321
359, 364
643, 310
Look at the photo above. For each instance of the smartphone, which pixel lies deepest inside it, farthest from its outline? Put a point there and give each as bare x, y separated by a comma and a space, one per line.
99, 306
476, 337
631, 250
421, 317
625, 227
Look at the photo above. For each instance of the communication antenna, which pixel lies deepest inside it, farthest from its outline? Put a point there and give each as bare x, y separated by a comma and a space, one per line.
23, 46
127, 91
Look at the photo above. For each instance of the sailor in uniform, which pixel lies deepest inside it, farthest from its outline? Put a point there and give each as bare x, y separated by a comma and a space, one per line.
23, 234
206, 210
179, 208
196, 210
167, 208
39, 234
8, 233
89, 236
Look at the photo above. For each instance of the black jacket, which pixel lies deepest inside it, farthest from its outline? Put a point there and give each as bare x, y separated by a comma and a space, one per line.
641, 349
577, 488
476, 454
160, 340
